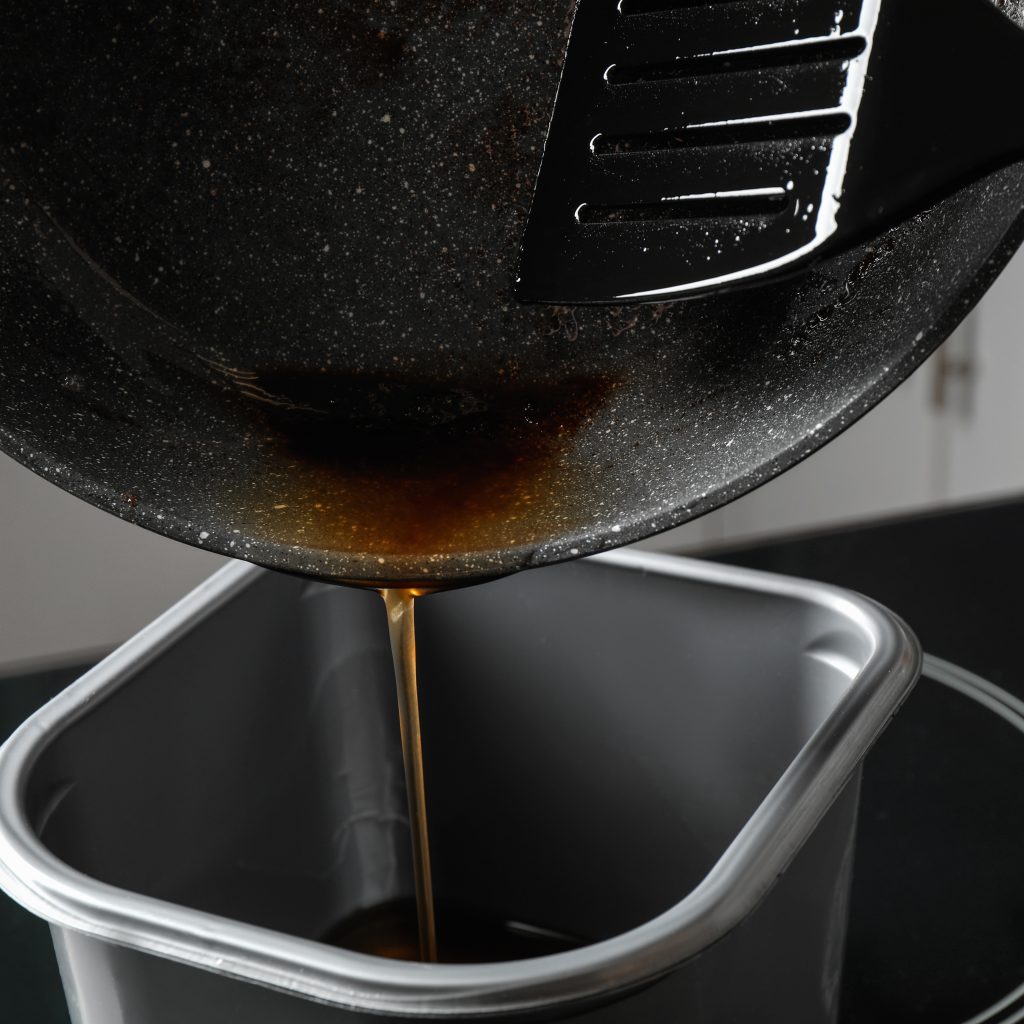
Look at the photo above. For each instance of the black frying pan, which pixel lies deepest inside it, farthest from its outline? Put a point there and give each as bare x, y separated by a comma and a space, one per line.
255, 294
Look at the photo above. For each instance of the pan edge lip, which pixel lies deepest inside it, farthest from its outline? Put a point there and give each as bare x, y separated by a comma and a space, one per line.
462, 569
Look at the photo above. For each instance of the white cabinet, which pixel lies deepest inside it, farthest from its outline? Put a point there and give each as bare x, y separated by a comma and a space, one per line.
983, 442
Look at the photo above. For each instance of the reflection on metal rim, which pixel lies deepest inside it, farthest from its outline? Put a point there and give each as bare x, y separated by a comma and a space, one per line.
1010, 1009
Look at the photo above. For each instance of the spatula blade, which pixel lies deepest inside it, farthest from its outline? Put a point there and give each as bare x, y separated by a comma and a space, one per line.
693, 146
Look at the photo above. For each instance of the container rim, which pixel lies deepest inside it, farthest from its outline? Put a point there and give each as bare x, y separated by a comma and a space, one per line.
739, 880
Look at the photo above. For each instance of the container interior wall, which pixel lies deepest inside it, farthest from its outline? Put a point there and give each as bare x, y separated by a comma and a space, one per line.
594, 739
782, 963
601, 736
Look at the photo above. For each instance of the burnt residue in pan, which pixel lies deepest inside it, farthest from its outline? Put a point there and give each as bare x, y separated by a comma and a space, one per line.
417, 468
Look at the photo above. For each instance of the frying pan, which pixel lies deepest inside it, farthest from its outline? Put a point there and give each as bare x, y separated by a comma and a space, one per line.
256, 268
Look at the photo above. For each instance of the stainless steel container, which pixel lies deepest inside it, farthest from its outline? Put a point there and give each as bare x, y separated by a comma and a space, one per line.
657, 754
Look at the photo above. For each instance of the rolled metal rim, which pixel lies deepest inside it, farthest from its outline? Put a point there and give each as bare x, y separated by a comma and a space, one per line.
743, 875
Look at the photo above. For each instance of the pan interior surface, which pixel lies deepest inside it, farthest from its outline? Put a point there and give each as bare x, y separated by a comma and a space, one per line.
256, 270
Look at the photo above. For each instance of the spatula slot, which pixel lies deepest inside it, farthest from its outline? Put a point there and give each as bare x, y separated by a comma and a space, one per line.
763, 203
728, 133
633, 7
817, 51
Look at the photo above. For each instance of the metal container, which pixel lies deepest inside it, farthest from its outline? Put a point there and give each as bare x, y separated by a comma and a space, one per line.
657, 754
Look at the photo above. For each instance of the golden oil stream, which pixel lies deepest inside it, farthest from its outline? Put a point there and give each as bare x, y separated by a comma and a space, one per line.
402, 630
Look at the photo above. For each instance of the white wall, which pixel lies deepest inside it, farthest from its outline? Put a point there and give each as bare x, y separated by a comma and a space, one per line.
75, 580
986, 441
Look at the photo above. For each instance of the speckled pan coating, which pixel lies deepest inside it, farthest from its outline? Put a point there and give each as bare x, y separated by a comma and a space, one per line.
193, 194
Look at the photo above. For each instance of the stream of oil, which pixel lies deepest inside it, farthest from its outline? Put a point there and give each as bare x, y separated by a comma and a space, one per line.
395, 471
400, 606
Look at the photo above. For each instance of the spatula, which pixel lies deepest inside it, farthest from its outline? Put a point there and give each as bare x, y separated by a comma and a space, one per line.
699, 145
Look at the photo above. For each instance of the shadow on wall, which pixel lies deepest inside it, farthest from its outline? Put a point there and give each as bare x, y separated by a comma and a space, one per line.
74, 580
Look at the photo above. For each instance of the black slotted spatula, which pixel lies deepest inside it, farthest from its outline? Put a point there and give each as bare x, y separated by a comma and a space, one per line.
699, 145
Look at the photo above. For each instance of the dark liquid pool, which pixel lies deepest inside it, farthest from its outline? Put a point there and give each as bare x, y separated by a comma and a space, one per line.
406, 469
464, 935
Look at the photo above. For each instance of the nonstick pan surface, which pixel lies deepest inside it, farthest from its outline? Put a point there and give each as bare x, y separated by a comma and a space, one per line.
226, 226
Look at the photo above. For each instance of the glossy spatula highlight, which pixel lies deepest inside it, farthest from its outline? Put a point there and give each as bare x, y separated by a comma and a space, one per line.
701, 146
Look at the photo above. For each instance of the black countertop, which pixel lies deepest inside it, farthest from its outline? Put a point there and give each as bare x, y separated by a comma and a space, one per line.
937, 918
